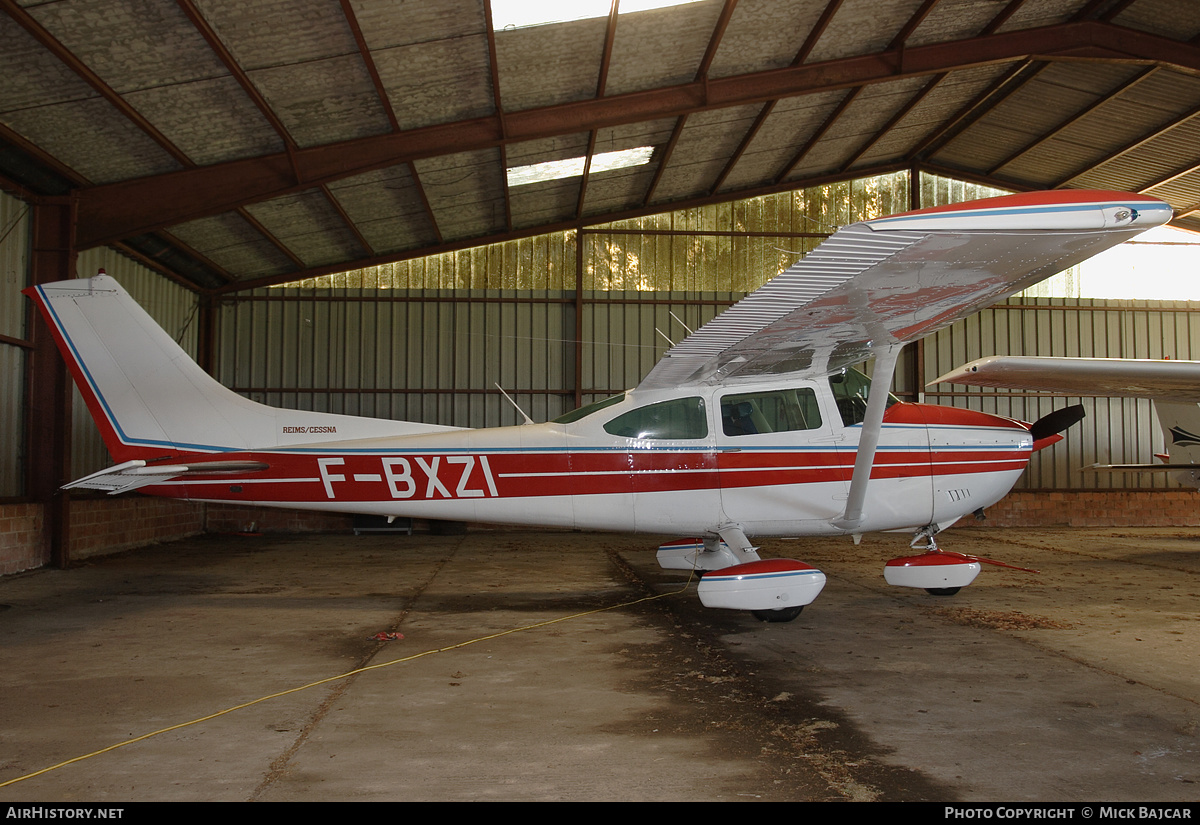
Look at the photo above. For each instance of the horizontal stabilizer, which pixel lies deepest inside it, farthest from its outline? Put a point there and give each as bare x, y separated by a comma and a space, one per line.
130, 475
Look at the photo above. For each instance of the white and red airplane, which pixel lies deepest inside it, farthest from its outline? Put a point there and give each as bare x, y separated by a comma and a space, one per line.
753, 426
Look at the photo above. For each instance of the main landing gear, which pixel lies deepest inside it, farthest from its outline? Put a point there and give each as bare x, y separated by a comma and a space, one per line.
735, 578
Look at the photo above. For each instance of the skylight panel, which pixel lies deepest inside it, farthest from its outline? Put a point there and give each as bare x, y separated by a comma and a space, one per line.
522, 14
573, 167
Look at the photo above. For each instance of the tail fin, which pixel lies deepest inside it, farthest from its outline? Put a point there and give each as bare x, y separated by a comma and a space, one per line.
150, 399
1181, 430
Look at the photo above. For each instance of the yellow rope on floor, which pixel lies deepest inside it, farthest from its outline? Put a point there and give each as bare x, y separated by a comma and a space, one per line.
355, 672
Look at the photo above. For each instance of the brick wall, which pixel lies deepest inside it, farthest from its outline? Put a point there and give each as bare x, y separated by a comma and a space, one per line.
20, 537
98, 526
106, 525
234, 518
1094, 508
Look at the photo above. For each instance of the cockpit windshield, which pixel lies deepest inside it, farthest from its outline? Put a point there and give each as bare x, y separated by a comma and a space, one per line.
850, 390
588, 409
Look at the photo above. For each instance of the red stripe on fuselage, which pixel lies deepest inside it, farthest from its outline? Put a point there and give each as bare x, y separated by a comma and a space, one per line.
300, 478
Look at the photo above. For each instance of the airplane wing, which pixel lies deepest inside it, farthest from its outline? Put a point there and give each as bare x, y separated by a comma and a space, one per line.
1119, 377
885, 282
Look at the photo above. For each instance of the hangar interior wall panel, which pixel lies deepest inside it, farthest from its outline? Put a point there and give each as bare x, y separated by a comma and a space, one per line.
555, 320
14, 314
541, 262
417, 355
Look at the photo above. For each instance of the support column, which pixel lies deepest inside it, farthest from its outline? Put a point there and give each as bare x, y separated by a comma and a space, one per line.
914, 356
206, 332
580, 249
48, 390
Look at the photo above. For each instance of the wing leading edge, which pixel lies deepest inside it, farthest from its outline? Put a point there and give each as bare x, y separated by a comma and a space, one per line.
1119, 377
888, 281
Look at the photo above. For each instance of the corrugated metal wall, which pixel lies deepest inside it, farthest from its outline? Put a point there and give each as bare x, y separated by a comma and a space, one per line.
422, 355
14, 269
429, 339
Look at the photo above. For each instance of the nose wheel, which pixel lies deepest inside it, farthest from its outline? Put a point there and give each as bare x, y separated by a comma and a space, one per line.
936, 572
783, 614
942, 591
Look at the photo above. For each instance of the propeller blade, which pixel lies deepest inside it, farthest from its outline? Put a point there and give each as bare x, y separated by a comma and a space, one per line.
1056, 422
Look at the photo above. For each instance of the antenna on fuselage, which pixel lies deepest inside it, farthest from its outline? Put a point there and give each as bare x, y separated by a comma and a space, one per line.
528, 420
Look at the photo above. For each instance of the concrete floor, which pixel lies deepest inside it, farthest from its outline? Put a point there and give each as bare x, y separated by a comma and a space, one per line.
1079, 683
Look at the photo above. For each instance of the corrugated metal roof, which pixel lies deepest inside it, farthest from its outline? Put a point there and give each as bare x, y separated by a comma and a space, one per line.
288, 138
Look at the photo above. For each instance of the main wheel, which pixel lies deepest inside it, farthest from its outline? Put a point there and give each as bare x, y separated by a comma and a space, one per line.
783, 614
942, 591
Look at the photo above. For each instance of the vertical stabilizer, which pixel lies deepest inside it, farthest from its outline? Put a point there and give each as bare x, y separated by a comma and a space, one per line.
150, 399
1181, 430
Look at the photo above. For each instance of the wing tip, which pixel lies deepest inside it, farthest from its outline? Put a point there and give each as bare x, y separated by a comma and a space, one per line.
1058, 209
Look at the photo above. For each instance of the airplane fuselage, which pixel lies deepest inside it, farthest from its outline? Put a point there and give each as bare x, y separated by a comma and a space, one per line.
775, 459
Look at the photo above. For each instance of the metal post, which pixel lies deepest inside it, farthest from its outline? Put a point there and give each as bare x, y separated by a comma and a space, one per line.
48, 395
580, 248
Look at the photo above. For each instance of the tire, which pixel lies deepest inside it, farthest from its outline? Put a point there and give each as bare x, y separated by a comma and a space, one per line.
942, 591
783, 614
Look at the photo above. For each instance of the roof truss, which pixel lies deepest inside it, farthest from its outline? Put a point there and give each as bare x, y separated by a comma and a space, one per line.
906, 82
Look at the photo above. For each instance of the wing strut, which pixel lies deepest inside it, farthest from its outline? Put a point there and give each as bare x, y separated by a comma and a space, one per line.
881, 380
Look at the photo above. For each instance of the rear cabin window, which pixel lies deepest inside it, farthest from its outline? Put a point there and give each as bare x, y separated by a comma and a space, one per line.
680, 418
770, 412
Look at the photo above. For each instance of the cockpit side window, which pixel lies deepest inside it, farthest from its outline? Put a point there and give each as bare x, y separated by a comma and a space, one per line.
850, 391
680, 418
770, 412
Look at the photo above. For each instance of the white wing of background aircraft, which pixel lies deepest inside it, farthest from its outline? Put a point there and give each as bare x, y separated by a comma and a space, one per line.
1173, 386
753, 426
